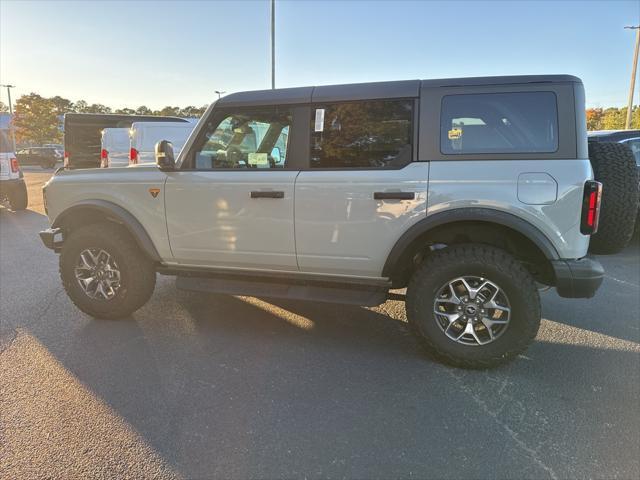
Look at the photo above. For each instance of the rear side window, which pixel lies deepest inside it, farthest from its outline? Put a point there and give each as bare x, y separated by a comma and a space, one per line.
522, 122
5, 143
368, 134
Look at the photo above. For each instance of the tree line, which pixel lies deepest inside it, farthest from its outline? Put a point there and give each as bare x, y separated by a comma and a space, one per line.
37, 119
612, 118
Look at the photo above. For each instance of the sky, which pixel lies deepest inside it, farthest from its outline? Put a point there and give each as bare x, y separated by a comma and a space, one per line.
157, 53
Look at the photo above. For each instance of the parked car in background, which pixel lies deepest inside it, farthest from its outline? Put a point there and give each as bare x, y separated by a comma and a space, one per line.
83, 135
46, 157
620, 151
114, 151
145, 135
12, 186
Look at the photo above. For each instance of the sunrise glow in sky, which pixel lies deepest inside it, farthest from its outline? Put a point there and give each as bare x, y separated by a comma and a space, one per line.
180, 52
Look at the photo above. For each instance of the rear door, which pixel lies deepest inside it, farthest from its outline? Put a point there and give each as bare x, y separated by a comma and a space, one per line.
231, 203
361, 190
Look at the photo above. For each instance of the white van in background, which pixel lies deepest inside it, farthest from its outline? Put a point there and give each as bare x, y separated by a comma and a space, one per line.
145, 135
114, 149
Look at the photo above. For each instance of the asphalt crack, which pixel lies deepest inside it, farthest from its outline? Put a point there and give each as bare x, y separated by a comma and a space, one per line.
532, 453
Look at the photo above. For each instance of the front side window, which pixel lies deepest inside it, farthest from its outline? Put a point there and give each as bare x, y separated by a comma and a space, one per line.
245, 140
369, 134
522, 122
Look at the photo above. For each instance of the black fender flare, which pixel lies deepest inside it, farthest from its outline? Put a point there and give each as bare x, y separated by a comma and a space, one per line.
116, 214
486, 215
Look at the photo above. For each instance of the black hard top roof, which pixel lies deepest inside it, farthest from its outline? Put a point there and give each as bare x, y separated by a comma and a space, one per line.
114, 119
369, 91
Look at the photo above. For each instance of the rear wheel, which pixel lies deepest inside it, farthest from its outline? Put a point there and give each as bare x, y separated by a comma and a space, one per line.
104, 272
18, 197
474, 306
614, 165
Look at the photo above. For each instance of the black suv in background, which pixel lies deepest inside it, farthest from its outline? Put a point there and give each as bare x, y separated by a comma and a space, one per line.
46, 157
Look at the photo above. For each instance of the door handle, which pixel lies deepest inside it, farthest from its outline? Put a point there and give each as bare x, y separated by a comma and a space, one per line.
266, 194
394, 195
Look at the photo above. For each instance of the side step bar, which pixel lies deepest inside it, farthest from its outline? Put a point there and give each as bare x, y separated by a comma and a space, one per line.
346, 294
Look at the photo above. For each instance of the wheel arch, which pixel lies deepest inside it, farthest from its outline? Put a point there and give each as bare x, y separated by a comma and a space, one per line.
470, 225
95, 211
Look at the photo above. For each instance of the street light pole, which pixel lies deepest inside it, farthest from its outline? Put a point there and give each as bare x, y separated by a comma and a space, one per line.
273, 44
219, 92
13, 135
634, 69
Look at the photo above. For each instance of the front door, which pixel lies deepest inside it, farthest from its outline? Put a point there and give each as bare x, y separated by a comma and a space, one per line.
231, 203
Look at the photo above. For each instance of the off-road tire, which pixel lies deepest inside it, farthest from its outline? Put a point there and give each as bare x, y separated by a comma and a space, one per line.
18, 197
137, 272
615, 167
480, 260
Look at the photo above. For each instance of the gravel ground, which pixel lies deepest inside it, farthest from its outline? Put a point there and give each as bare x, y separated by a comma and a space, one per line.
213, 386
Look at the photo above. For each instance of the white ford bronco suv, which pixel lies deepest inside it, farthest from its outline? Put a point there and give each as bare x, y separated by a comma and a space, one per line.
470, 193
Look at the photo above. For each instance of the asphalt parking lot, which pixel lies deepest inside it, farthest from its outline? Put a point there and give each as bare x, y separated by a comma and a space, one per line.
212, 386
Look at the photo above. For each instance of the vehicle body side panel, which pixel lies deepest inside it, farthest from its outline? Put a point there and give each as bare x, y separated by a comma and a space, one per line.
494, 184
118, 186
213, 221
341, 229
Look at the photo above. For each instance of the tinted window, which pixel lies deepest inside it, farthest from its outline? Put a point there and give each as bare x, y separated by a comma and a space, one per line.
372, 134
249, 140
524, 122
5, 143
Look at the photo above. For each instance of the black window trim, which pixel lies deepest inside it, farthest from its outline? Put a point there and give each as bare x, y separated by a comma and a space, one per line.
557, 117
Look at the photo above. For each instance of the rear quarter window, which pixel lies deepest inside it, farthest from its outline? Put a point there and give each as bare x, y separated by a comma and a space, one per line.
5, 143
518, 122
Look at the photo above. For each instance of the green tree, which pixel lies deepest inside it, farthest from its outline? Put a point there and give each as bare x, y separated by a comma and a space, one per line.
168, 111
192, 112
62, 105
125, 111
614, 118
81, 106
98, 108
36, 120
142, 110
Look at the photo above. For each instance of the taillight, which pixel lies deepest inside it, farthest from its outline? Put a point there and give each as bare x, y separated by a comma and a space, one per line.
15, 166
104, 158
133, 155
591, 207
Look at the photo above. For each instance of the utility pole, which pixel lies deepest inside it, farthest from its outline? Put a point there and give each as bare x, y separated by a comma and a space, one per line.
273, 44
13, 135
634, 69
220, 93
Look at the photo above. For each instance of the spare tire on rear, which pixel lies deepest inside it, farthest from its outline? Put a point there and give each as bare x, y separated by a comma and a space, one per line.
615, 167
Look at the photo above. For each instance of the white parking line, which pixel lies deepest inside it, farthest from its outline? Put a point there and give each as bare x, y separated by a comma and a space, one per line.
624, 282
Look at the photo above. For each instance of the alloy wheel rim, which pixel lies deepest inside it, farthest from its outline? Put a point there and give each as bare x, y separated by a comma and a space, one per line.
472, 310
98, 274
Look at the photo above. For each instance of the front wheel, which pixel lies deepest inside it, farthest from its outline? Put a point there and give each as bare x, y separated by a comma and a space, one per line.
474, 306
104, 272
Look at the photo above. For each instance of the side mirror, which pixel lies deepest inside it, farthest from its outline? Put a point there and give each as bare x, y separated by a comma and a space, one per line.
164, 155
